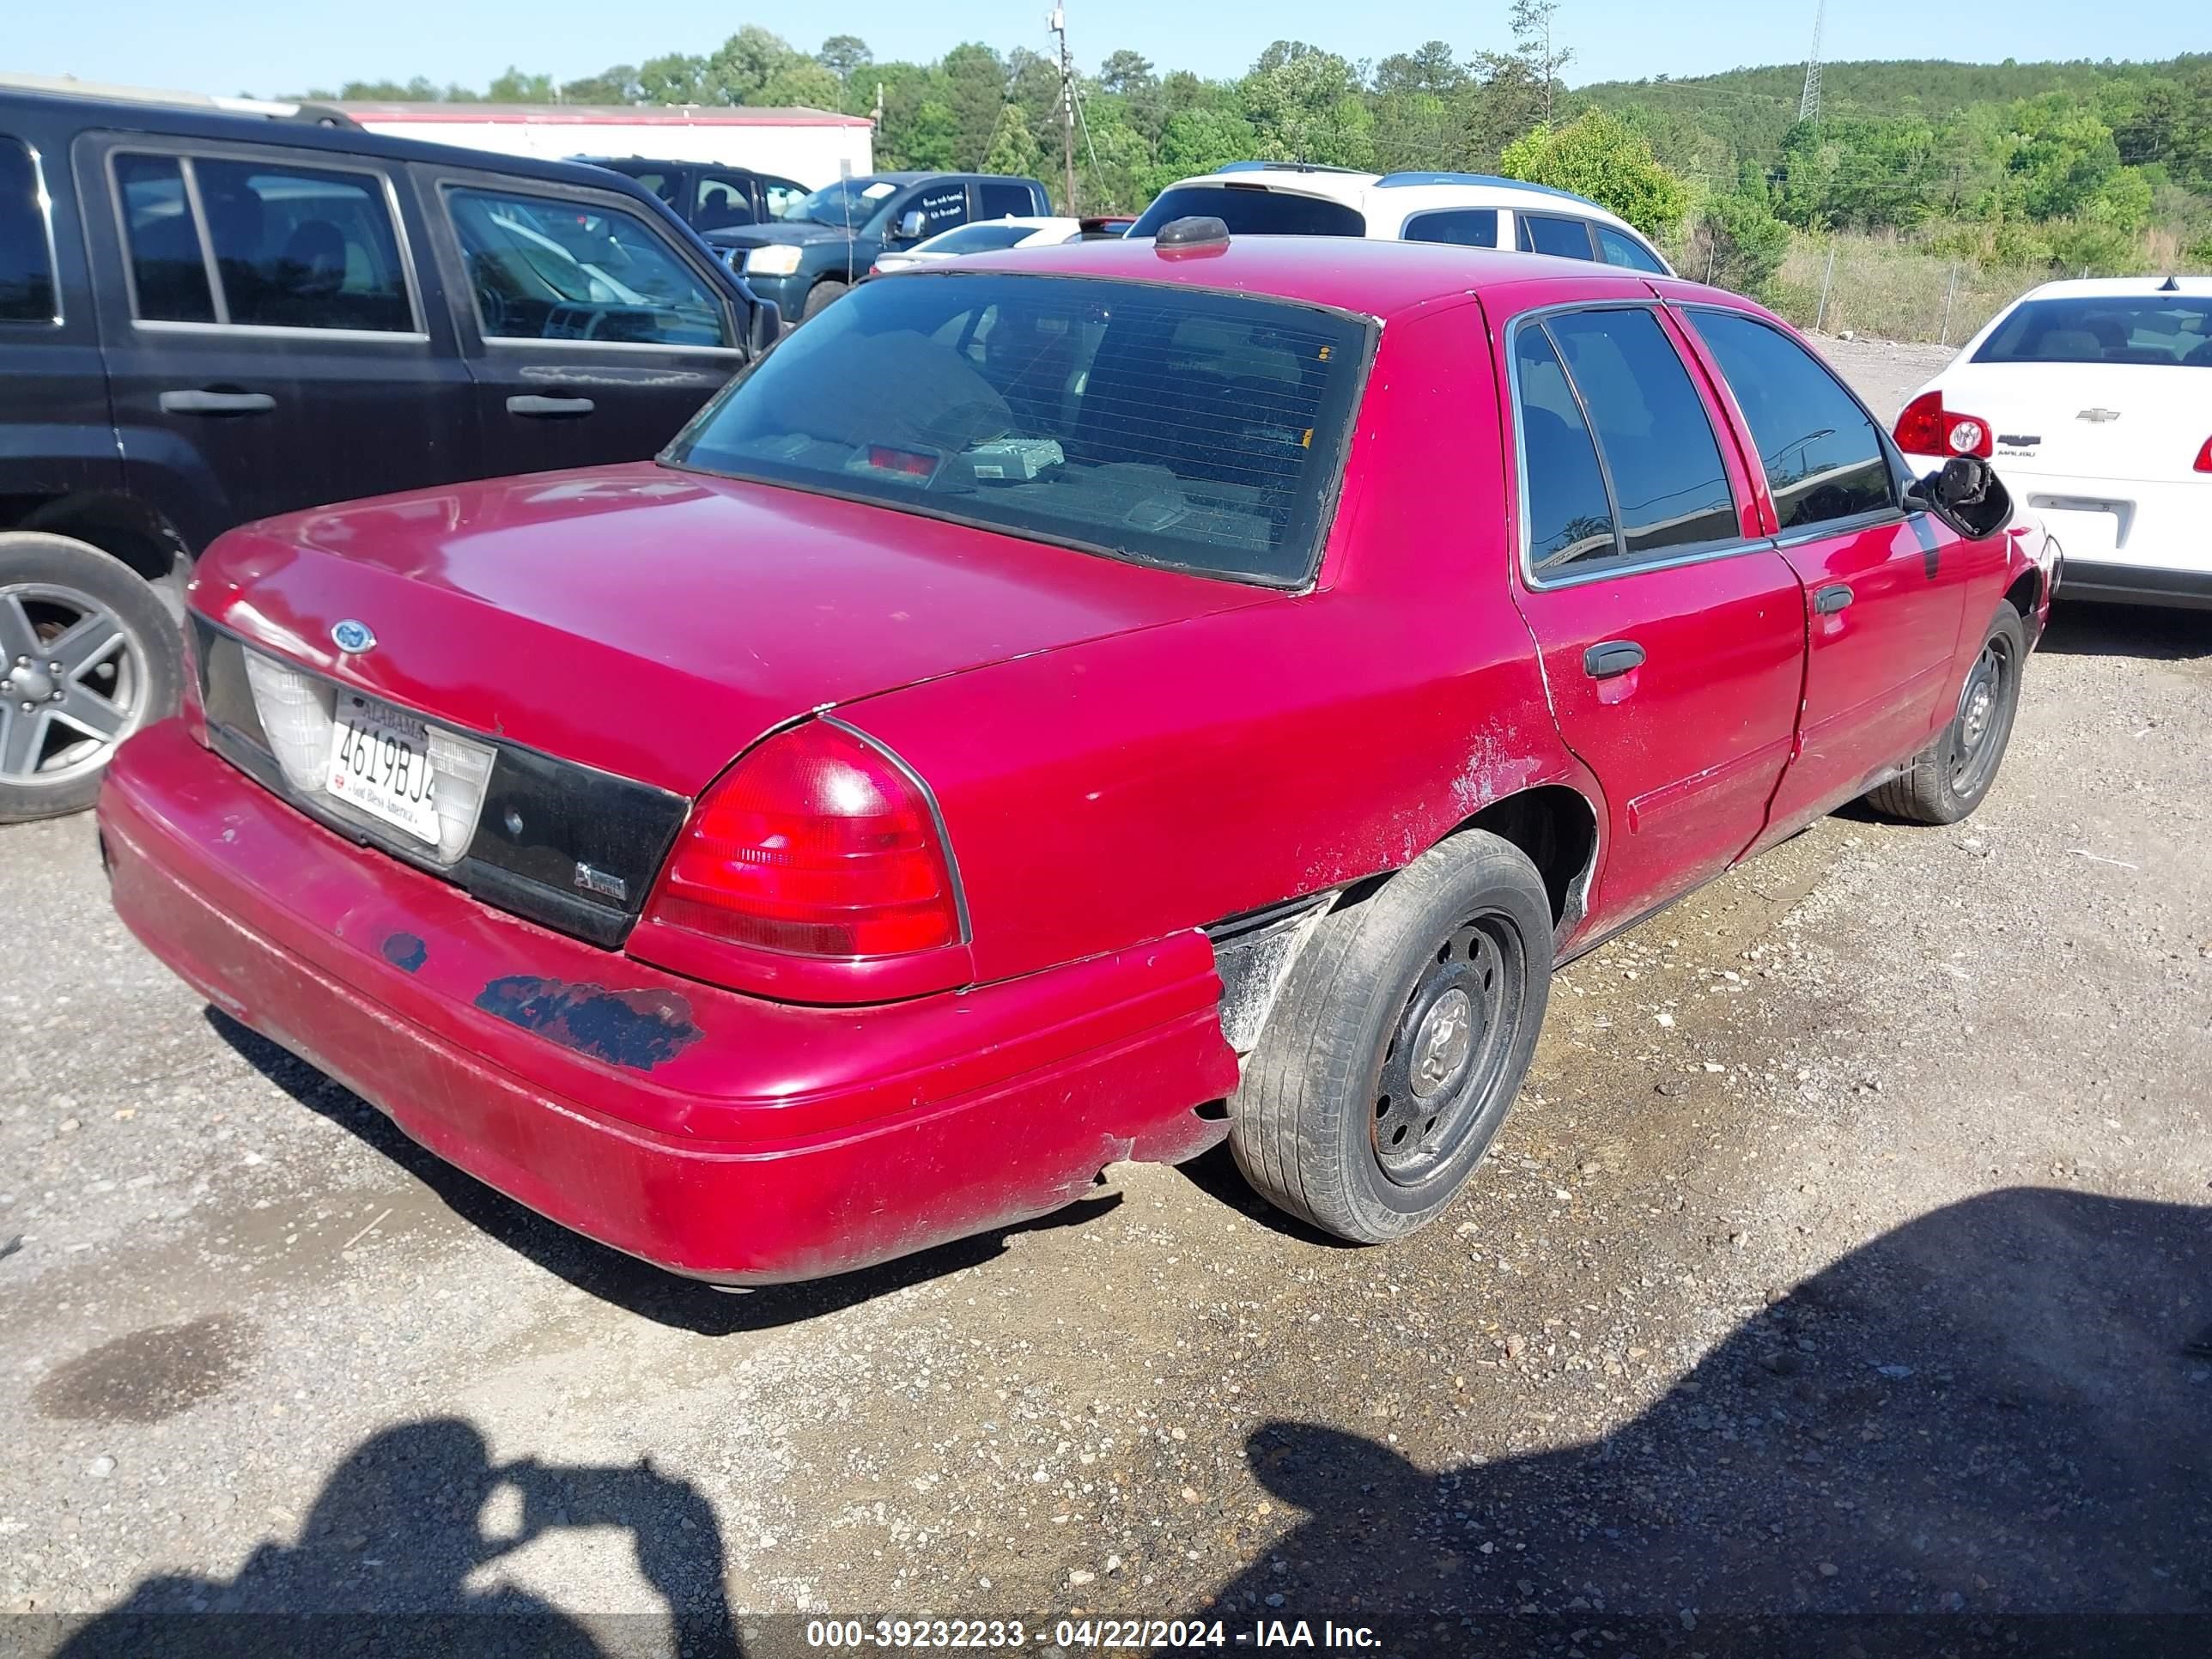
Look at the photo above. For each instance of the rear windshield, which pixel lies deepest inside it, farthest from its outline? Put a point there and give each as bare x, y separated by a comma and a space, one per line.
1252, 210
1153, 423
976, 239
2160, 329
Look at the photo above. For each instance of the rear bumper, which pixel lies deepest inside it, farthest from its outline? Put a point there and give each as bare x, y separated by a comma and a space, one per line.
2126, 584
719, 1135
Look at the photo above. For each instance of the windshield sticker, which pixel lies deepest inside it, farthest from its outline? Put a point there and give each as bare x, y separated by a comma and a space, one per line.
878, 191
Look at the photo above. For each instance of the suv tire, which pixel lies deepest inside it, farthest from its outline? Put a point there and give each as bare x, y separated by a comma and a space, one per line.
117, 665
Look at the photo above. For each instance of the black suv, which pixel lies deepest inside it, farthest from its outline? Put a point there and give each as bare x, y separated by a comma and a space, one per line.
822, 246
706, 196
208, 318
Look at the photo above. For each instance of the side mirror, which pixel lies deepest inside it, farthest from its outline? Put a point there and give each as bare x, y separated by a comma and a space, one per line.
1966, 494
911, 224
764, 328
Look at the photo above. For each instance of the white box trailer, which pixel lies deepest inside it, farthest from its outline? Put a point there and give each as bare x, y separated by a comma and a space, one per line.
811, 146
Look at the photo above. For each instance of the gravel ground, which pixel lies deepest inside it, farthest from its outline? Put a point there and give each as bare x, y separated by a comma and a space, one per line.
1846, 1253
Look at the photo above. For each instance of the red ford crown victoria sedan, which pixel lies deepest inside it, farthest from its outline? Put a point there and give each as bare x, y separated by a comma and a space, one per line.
1062, 709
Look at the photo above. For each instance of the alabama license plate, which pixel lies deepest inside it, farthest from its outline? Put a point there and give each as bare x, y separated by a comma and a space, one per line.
380, 765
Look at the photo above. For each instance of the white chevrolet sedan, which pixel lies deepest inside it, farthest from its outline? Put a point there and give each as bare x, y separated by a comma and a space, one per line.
2092, 400
981, 236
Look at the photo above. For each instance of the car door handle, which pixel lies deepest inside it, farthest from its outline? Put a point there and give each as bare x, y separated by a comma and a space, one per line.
1612, 658
531, 405
1833, 597
216, 402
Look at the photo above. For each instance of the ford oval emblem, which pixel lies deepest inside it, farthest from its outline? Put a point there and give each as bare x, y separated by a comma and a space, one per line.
352, 635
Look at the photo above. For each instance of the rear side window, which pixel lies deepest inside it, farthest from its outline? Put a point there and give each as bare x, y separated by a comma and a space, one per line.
941, 207
1569, 514
998, 199
542, 269
168, 266
1167, 425
1670, 490
1617, 247
302, 248
27, 263
1540, 233
292, 247
2157, 330
718, 200
1251, 210
1467, 227
1822, 456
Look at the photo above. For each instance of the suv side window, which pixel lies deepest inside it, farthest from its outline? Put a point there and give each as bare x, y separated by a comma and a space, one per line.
286, 246
543, 268
1824, 458
27, 243
1467, 227
1618, 248
997, 200
168, 266
718, 199
1540, 233
1670, 489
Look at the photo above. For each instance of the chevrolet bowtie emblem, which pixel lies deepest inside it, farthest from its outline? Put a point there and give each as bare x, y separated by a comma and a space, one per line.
2098, 415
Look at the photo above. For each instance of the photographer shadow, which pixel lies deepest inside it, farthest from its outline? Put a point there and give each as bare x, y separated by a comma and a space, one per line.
2002, 1410
384, 1561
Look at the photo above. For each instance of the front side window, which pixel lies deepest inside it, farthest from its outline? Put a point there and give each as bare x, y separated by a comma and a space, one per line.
1566, 239
1467, 227
2156, 330
542, 269
1823, 458
1004, 200
290, 247
1251, 210
1670, 489
1617, 247
1165, 425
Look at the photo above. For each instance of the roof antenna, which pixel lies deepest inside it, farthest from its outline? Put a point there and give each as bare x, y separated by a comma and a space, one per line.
2171, 285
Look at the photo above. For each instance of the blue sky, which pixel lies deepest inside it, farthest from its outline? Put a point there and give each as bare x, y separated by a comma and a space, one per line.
274, 46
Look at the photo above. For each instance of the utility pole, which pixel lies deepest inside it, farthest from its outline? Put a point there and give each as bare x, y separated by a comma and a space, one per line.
1058, 24
1809, 107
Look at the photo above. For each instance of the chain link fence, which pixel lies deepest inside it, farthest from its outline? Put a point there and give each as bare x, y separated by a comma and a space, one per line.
1890, 291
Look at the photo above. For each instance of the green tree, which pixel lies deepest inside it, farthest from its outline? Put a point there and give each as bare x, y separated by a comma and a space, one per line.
975, 79
1305, 106
676, 78
1600, 156
1531, 23
1736, 243
1126, 72
616, 85
516, 87
1013, 147
844, 55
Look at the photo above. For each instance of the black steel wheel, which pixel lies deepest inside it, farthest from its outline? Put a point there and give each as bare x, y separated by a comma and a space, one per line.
1397, 1045
1947, 780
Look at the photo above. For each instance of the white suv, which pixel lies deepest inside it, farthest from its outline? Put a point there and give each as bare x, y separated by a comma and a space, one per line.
1475, 210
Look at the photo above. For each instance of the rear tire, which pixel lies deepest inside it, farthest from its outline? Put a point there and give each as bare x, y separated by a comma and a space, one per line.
818, 296
88, 654
1396, 1048
1949, 778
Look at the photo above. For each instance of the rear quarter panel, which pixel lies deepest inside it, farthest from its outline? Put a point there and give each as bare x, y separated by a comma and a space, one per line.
1121, 790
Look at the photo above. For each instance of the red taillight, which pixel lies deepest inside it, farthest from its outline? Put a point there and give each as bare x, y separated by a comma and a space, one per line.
816, 844
2204, 457
1926, 427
